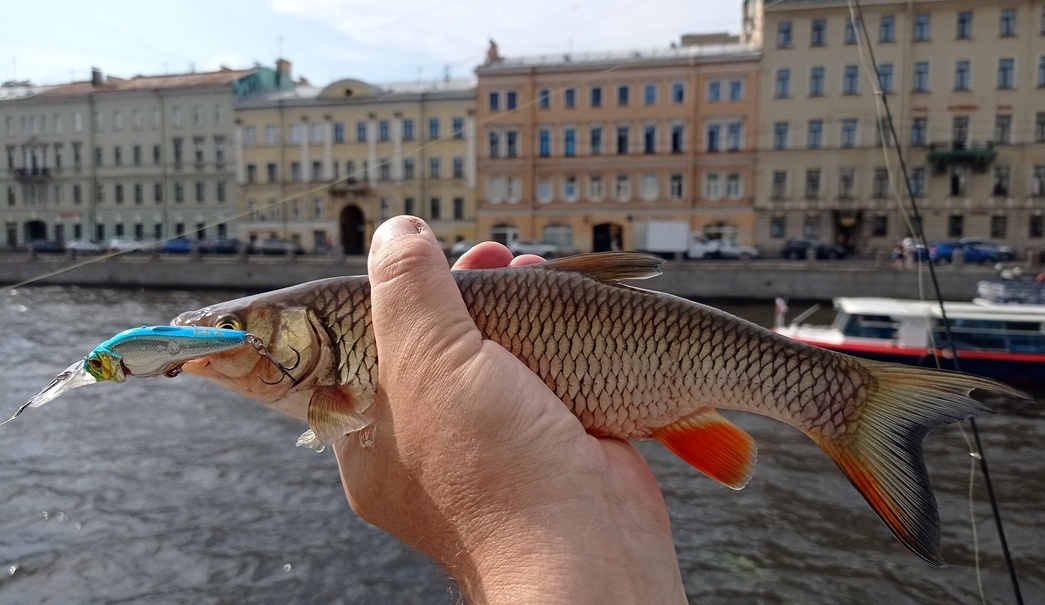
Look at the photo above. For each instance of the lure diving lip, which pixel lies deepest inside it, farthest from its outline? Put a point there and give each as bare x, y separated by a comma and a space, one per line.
145, 351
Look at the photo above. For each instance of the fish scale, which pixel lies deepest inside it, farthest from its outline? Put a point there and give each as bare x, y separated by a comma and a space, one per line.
632, 364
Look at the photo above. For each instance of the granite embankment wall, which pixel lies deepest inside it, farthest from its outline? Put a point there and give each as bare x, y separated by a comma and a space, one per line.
758, 280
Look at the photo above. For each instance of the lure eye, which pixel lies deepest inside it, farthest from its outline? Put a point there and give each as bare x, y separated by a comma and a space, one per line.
94, 363
228, 322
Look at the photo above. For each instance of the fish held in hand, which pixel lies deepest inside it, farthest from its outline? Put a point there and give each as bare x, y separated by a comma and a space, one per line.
144, 351
629, 363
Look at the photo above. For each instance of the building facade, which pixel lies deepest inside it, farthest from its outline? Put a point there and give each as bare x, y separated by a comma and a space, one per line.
965, 83
148, 157
324, 167
576, 149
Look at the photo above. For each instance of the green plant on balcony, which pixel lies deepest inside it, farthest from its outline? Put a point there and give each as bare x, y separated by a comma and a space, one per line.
978, 156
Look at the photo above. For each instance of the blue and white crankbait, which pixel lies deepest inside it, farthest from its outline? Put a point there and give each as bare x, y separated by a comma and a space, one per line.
144, 351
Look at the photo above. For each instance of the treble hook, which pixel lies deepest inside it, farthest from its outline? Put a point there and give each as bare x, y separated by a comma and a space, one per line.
259, 346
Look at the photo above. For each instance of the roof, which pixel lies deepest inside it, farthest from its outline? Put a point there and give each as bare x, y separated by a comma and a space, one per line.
622, 58
112, 84
897, 307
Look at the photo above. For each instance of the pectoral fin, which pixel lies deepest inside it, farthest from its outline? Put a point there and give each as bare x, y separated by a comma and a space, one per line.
331, 416
712, 444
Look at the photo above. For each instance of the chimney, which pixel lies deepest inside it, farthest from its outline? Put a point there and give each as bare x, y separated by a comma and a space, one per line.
96, 77
282, 72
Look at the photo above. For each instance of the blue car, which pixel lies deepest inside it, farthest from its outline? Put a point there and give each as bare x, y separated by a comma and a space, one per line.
178, 245
972, 252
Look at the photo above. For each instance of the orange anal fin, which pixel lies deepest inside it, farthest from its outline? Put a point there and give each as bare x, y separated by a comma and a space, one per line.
712, 444
331, 415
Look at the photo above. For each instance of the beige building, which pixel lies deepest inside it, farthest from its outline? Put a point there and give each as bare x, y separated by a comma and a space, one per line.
965, 83
149, 156
324, 167
577, 149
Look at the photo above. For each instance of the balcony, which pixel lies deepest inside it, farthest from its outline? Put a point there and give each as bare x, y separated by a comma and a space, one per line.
978, 156
349, 187
31, 175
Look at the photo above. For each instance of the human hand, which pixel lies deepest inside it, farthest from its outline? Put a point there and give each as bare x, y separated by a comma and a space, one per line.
474, 462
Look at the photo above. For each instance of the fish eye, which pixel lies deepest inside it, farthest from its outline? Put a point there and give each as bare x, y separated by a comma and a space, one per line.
228, 322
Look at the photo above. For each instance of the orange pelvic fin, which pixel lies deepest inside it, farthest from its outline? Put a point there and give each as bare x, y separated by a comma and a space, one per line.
331, 416
712, 444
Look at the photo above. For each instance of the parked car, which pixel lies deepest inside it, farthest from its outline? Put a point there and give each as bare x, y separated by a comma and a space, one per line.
220, 246
125, 243
1006, 251
796, 247
274, 245
46, 246
976, 251
82, 246
178, 245
700, 246
533, 247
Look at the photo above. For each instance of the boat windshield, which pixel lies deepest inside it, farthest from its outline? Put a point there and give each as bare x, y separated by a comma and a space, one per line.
992, 335
867, 326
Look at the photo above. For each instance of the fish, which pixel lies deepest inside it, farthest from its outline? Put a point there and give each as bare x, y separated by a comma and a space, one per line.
629, 363
145, 351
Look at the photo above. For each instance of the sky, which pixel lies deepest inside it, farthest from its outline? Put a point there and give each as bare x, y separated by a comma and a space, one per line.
55, 41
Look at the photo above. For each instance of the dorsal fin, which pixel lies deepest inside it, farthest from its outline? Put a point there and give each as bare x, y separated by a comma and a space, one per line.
610, 266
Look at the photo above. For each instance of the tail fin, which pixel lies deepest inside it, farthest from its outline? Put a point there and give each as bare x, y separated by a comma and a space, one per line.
881, 453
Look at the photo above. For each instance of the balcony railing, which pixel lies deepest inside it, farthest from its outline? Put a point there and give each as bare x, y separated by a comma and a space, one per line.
979, 156
31, 174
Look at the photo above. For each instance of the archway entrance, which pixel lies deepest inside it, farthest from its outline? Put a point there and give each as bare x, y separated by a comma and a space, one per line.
35, 230
606, 237
353, 230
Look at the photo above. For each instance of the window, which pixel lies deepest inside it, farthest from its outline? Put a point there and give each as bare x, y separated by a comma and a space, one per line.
1041, 71
435, 209
433, 127
1037, 181
813, 184
1007, 27
544, 98
879, 225
250, 136
678, 138
736, 90
595, 188
885, 77
675, 186
383, 128
408, 129
458, 208
179, 192
779, 190
880, 184
783, 34
884, 133
712, 188
544, 142
777, 227
595, 140
959, 131
920, 81
271, 172
434, 166
733, 189
848, 132
887, 29
296, 133
648, 189
850, 31
1005, 72
783, 83
955, 225
999, 225
921, 27
569, 98
846, 183
361, 131
295, 172
816, 81
511, 100
1039, 127
649, 94
649, 139
1003, 129
409, 169
570, 142
851, 80
815, 137
1037, 226
569, 188
961, 75
272, 134
118, 191
317, 170
511, 143
596, 96
964, 25
678, 92
494, 101
916, 181
959, 180
117, 156
221, 191
623, 188
156, 153
818, 34
714, 91
622, 139
734, 135
200, 191
780, 135
919, 128
1000, 183
622, 94
408, 205
714, 132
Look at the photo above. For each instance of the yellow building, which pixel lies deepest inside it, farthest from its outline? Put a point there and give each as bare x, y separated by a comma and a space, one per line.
965, 83
575, 149
324, 167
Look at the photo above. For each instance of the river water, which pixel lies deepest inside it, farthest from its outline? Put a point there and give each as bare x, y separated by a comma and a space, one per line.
175, 491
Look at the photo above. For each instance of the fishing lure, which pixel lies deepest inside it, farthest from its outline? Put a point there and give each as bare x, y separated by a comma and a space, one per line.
145, 351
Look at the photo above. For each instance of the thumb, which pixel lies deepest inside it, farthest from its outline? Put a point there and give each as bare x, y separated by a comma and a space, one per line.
417, 308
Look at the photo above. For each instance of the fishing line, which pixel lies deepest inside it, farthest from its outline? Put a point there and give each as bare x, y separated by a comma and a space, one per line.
977, 453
